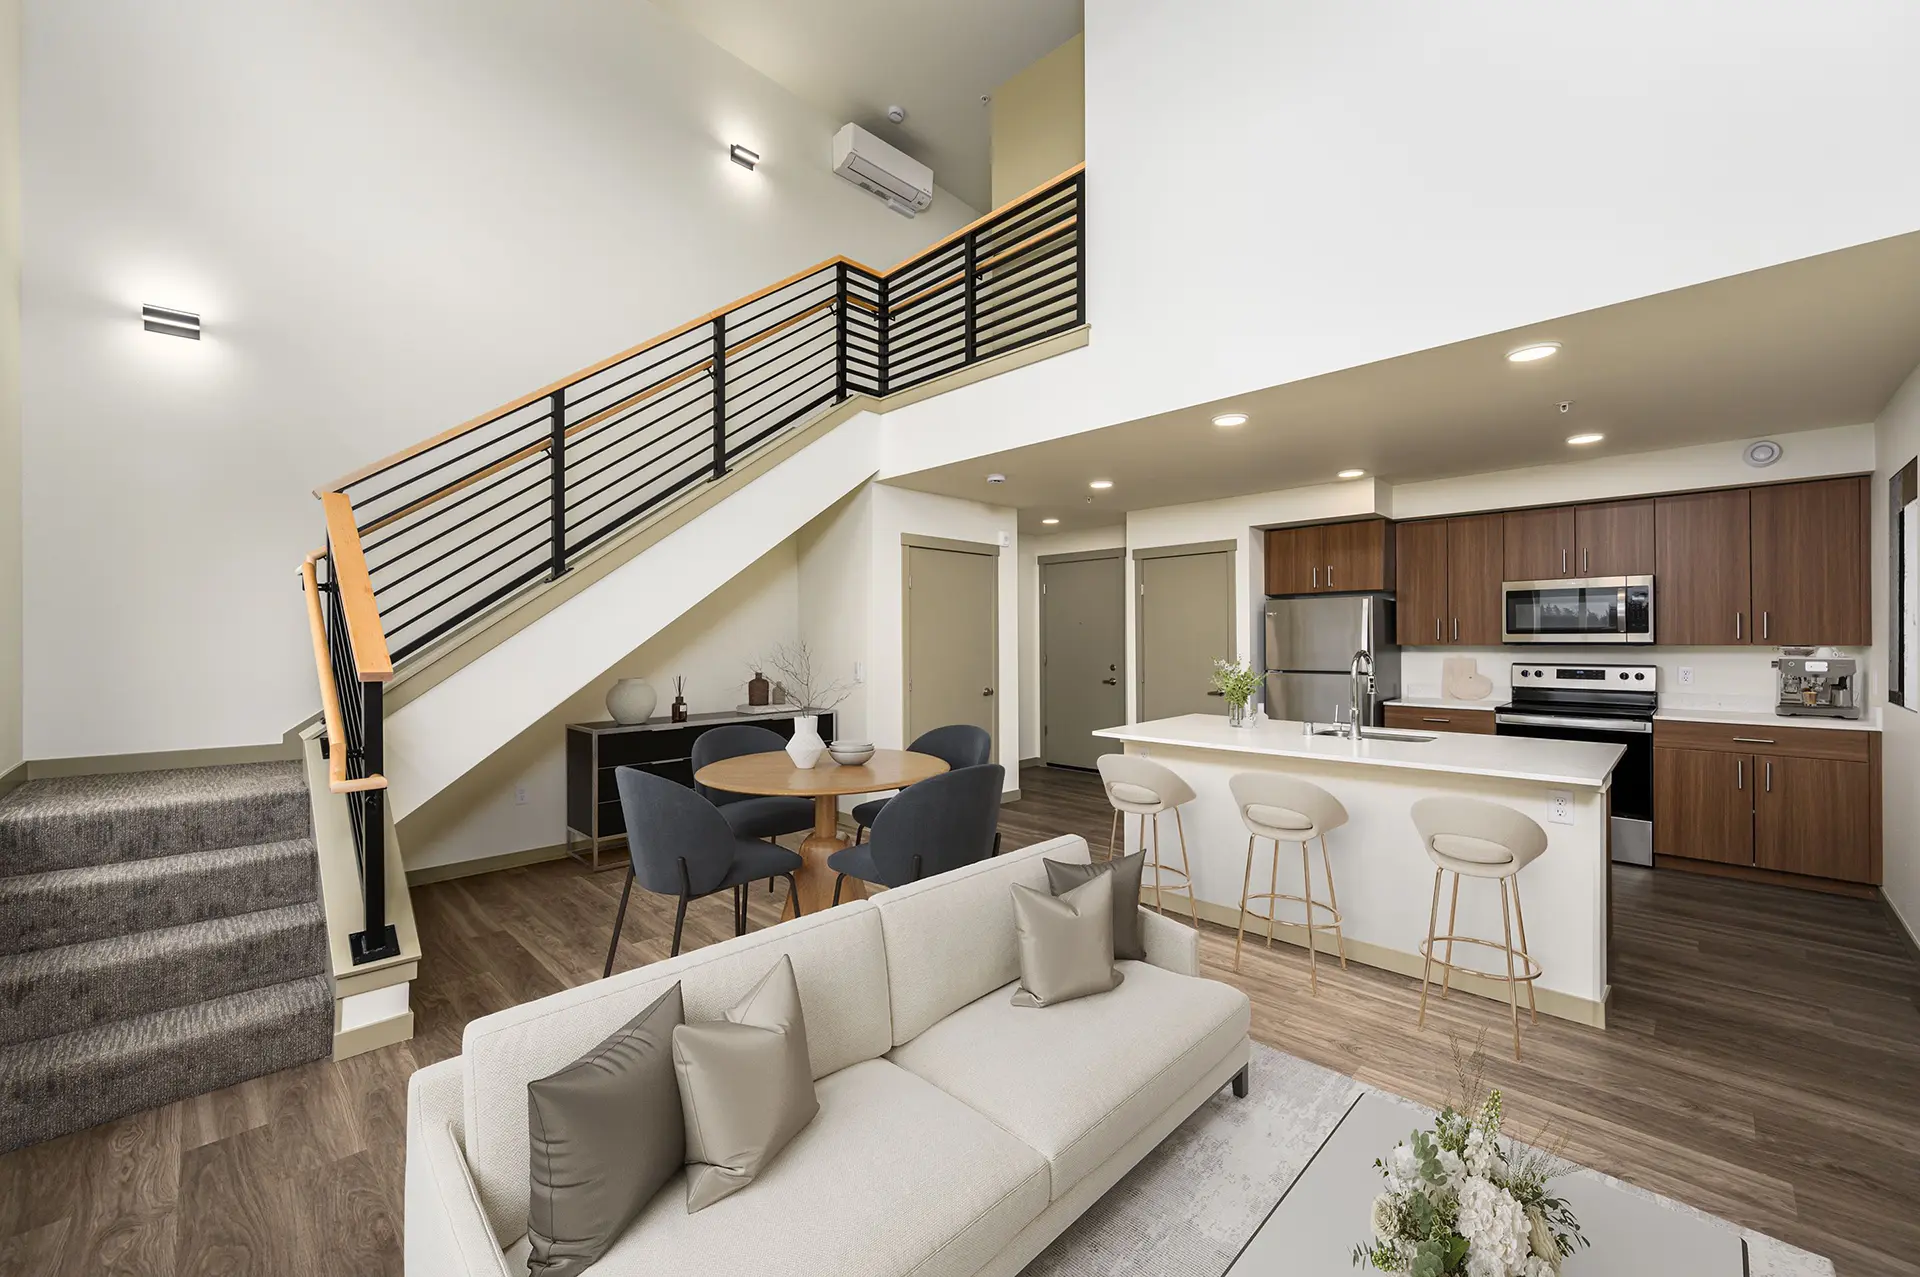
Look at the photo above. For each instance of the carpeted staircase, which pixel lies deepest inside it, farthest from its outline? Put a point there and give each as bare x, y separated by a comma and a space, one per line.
161, 936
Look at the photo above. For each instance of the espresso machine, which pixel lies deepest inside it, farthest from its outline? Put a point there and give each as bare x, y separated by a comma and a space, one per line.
1819, 687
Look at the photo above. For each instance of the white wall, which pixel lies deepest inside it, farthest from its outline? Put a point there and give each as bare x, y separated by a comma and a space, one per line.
835, 554
11, 740
1404, 174
1723, 677
393, 215
1898, 435
1032, 550
515, 800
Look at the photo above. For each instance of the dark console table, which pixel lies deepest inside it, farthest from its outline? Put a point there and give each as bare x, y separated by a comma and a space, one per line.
658, 745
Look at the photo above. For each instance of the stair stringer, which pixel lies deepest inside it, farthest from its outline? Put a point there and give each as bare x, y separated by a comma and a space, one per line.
449, 729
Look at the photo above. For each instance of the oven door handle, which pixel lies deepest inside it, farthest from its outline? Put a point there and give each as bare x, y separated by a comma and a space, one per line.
1576, 724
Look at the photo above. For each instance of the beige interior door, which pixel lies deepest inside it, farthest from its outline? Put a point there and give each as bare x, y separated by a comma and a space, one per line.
1185, 622
1082, 646
952, 640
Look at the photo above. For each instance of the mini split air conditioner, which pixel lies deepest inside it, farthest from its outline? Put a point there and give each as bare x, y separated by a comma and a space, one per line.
882, 171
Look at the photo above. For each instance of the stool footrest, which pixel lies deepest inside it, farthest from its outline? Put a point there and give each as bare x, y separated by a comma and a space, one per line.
1529, 969
1333, 915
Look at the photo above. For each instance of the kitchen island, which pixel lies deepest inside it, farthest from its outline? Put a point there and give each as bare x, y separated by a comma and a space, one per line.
1383, 876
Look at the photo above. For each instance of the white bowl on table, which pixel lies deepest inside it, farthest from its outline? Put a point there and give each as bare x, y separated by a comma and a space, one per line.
850, 753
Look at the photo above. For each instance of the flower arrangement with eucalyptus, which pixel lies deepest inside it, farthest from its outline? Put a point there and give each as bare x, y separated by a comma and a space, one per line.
1458, 1204
1237, 682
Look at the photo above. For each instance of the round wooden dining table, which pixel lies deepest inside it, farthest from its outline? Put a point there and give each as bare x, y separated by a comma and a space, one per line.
773, 774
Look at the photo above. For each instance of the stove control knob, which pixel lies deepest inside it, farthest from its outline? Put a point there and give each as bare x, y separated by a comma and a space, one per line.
1623, 673
1539, 674
1641, 678
1523, 673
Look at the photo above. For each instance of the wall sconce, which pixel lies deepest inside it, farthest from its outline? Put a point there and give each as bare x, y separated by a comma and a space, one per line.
745, 157
174, 323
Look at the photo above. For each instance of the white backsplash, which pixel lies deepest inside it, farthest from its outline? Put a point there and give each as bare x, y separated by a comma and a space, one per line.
1723, 678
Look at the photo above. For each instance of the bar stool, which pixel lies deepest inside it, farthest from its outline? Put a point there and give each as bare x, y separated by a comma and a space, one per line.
1145, 789
1475, 839
1284, 809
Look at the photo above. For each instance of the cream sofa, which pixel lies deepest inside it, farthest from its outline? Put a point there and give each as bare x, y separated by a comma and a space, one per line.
957, 1133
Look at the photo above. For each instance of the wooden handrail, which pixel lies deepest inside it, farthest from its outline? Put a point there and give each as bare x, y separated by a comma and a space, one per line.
337, 779
523, 401
371, 661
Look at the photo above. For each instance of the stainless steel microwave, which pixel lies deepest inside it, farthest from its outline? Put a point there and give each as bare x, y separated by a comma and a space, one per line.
1606, 609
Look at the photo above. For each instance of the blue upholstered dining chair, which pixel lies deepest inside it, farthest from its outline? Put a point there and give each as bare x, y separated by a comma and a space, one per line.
941, 823
957, 745
680, 845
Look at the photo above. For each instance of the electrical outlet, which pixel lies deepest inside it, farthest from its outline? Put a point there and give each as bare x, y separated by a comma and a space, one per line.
1560, 806
1686, 675
519, 795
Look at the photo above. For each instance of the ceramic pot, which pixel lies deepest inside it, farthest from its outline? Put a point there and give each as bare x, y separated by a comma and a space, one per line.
631, 701
806, 746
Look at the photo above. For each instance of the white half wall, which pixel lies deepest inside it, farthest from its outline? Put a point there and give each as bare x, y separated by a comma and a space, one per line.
1898, 436
12, 741
392, 216
515, 800
1032, 550
1403, 175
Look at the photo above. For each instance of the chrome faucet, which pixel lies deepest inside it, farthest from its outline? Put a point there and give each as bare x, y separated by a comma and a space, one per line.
1360, 686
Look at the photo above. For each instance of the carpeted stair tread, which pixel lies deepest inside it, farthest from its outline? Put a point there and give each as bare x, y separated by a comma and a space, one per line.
69, 821
70, 906
61, 1084
50, 992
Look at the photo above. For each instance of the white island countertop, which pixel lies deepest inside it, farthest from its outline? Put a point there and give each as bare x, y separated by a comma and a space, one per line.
1584, 764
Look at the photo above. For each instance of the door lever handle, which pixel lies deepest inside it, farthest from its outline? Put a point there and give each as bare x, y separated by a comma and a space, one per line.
1111, 682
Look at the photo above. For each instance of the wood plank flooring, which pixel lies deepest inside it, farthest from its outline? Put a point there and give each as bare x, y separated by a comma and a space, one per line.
1763, 1063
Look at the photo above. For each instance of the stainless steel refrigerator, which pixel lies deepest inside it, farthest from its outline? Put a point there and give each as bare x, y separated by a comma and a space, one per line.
1311, 642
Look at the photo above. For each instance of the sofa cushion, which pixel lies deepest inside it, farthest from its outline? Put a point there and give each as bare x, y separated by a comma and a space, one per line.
893, 1177
1066, 943
950, 938
839, 962
1077, 1081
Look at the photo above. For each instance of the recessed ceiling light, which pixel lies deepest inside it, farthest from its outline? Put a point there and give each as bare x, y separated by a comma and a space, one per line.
1231, 419
1352, 474
1538, 350
1101, 485
1049, 520
1592, 436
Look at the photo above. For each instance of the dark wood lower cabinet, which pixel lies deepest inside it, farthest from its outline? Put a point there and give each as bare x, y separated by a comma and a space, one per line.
1703, 805
1810, 816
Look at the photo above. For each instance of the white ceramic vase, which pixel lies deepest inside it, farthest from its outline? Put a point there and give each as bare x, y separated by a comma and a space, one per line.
631, 700
806, 746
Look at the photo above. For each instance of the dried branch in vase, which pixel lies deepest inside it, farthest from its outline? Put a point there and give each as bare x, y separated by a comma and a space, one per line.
793, 662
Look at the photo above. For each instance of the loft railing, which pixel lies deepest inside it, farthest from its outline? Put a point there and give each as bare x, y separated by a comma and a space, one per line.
350, 651
456, 525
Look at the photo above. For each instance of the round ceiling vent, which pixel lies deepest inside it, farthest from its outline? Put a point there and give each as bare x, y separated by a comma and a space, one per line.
1763, 453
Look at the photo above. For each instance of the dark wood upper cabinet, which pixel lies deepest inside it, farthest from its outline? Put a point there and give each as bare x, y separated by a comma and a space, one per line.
1810, 817
1540, 544
1809, 563
1420, 582
1330, 556
1476, 560
1703, 805
1614, 538
1703, 579
1358, 556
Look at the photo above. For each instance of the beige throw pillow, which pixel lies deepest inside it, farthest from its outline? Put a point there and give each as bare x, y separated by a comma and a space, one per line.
606, 1133
746, 1087
1066, 943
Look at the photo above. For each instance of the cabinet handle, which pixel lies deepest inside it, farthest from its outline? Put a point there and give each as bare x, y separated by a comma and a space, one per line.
1329, 576
1436, 630
1737, 616
1769, 775
1436, 720
1316, 578
1739, 773
1766, 623
1751, 740
1456, 629
1586, 561
1563, 563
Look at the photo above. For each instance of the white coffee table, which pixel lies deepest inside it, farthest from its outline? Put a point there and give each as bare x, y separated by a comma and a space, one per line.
1324, 1213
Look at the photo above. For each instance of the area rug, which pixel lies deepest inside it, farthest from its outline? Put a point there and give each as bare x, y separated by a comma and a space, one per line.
1192, 1204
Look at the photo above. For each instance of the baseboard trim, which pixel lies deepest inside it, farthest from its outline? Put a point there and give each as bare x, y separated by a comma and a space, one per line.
1768, 877
371, 1037
1900, 925
15, 777
486, 864
1561, 1006
1009, 796
165, 760
1030, 762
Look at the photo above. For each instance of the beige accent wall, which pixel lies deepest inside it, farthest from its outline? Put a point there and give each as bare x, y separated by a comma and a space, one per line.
1897, 441
1039, 121
11, 738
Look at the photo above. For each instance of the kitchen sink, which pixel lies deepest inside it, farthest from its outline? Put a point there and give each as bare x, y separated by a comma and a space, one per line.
1378, 733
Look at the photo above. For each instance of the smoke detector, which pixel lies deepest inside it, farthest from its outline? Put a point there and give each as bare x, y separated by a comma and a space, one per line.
898, 114
996, 478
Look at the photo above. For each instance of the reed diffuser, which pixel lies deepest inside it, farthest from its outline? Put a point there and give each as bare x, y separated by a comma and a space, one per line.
679, 698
